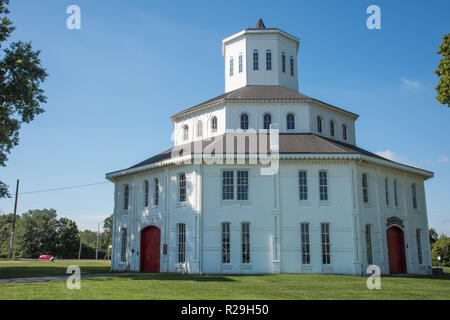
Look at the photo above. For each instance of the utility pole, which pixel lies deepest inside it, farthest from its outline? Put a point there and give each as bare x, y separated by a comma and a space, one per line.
79, 251
11, 245
96, 250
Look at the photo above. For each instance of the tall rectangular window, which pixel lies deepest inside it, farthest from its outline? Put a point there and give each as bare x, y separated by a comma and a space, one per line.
368, 244
323, 185
268, 60
146, 193
240, 63
292, 66
242, 185
303, 185
365, 188
419, 245
231, 66
227, 185
414, 196
304, 233
283, 62
325, 240
245, 232
126, 196
123, 253
181, 242
226, 249
182, 187
156, 195
255, 60
386, 190
395, 193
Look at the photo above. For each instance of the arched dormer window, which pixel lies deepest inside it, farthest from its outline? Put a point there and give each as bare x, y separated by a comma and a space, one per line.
255, 60
244, 121
214, 124
156, 192
185, 132
344, 132
332, 128
290, 121
283, 62
291, 60
199, 128
319, 124
268, 60
267, 119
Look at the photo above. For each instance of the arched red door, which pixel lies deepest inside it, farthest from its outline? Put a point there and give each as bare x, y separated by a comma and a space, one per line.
396, 250
150, 249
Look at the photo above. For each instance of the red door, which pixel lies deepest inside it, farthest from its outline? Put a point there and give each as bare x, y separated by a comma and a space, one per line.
150, 246
396, 250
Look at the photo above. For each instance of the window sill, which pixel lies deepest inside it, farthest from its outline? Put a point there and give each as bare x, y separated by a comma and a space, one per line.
124, 212
304, 203
367, 205
181, 204
324, 203
234, 202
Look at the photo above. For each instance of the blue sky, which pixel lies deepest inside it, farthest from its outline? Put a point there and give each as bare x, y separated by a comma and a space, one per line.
113, 85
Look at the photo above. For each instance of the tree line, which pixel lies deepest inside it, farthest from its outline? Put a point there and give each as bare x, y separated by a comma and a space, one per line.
40, 232
440, 247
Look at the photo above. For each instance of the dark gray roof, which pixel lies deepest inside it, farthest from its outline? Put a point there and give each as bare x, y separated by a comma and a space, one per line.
256, 93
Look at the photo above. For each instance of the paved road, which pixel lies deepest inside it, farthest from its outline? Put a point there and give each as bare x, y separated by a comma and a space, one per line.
50, 278
56, 260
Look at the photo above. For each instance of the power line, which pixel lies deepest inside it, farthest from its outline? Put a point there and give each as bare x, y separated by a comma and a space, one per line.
65, 188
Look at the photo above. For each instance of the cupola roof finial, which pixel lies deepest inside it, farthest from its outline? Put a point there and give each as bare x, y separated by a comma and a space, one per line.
260, 24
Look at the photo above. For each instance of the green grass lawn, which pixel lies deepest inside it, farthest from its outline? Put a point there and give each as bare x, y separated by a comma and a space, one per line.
176, 286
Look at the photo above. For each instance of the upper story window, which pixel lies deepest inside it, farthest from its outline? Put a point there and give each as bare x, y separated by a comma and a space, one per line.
291, 60
319, 124
156, 190
323, 185
332, 128
414, 195
182, 187
199, 128
268, 60
214, 124
303, 185
123, 253
240, 63
283, 62
365, 188
146, 193
229, 192
395, 193
244, 121
185, 132
290, 119
344, 132
255, 60
386, 190
126, 196
231, 66
267, 119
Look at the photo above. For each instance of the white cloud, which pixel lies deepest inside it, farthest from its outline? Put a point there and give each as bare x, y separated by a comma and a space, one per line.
410, 84
443, 159
388, 154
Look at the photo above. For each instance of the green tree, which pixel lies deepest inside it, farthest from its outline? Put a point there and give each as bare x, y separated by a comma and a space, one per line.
21, 76
6, 221
443, 71
433, 236
441, 248
67, 239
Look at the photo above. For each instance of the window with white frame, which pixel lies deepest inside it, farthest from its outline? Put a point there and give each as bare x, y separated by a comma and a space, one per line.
344, 132
242, 185
267, 121
303, 185
414, 195
199, 128
268, 60
332, 128
325, 241
123, 252
181, 242
244, 121
240, 63
419, 245
291, 59
245, 233
126, 196
226, 248
283, 62
395, 193
227, 185
231, 67
369, 243
305, 244
214, 124
146, 193
290, 121
255, 60
365, 188
386, 190
319, 124
185, 132
323, 185
156, 191
182, 187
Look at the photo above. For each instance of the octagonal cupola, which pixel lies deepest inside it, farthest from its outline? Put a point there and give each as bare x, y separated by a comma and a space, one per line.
260, 56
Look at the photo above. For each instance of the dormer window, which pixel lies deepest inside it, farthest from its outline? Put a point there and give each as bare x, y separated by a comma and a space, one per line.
291, 60
319, 124
332, 128
283, 62
214, 124
231, 66
199, 129
344, 132
267, 121
244, 121
268, 60
255, 60
240, 63
290, 121
185, 132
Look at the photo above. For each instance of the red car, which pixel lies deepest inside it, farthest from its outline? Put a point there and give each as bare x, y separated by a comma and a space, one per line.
46, 257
